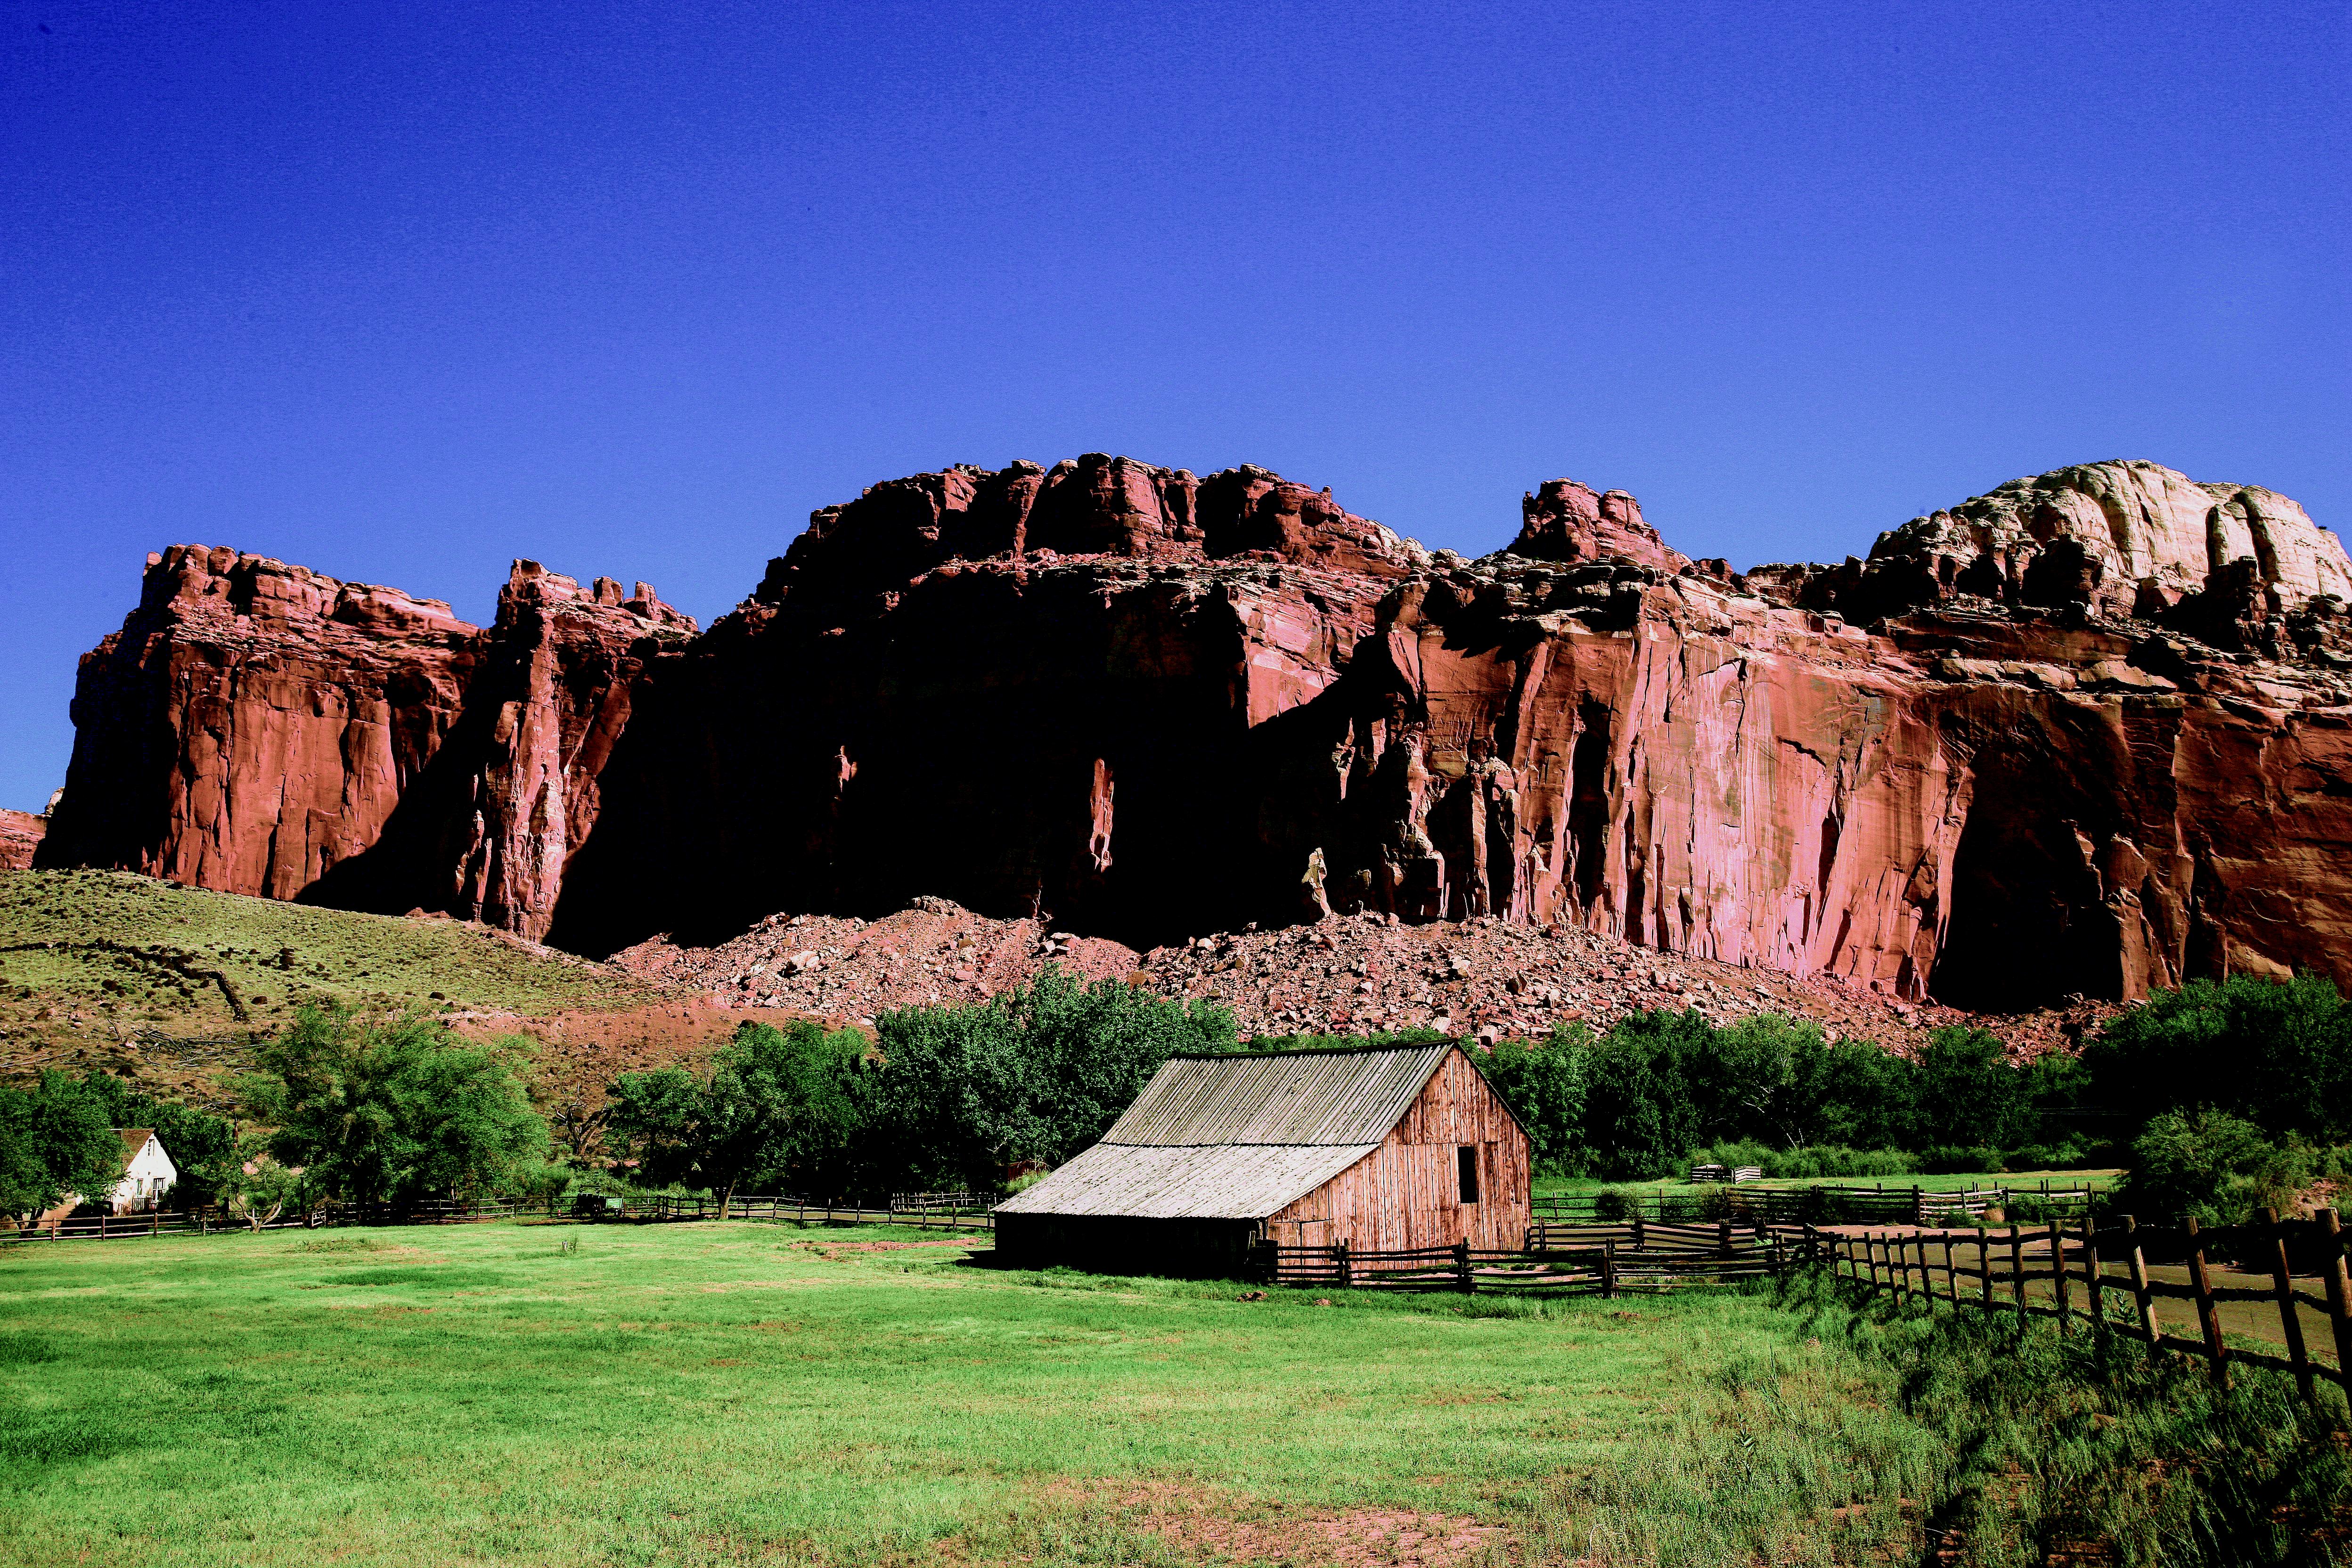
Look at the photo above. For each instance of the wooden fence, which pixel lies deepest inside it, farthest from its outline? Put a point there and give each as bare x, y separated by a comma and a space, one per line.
655, 1209
1558, 1260
2039, 1269
1816, 1203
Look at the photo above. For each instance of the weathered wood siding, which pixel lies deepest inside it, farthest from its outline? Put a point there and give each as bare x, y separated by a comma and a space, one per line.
1407, 1193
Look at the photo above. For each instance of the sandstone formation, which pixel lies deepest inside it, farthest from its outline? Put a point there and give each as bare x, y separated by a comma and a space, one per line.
2088, 734
258, 727
20, 835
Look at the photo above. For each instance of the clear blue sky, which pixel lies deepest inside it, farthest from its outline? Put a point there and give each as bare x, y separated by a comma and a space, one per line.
401, 292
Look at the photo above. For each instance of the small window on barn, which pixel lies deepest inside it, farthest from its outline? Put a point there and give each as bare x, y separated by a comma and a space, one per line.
1466, 1162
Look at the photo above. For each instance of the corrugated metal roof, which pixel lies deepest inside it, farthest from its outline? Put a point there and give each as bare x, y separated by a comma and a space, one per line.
1291, 1097
1221, 1181
1238, 1137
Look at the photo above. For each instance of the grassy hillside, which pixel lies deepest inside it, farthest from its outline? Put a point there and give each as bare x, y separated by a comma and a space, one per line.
141, 948
107, 969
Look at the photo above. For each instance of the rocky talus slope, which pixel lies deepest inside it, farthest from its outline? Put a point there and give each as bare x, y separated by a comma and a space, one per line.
2089, 733
1485, 978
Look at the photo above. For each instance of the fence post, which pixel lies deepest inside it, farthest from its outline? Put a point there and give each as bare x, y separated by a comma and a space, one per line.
1637, 1228
1462, 1267
2017, 1267
1984, 1267
2339, 1293
1951, 1272
2140, 1292
2289, 1320
2208, 1317
1723, 1238
1347, 1267
2058, 1271
1918, 1205
2094, 1301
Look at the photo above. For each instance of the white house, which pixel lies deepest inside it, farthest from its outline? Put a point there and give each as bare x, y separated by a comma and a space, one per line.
148, 1174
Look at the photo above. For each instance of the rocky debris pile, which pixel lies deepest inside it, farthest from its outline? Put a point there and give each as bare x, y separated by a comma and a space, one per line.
1488, 979
846, 969
1483, 979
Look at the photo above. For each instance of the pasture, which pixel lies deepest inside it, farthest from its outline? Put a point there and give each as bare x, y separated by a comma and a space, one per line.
543, 1393
757, 1393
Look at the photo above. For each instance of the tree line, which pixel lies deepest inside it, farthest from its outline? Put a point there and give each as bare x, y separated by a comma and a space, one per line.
2216, 1094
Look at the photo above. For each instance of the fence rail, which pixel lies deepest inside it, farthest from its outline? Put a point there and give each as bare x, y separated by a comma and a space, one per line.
1558, 1260
2009, 1266
649, 1210
1816, 1203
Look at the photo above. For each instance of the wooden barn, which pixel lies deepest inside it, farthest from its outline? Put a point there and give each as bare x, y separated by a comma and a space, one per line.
1381, 1148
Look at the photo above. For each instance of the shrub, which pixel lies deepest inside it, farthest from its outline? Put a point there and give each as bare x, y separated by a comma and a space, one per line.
2199, 1165
1835, 1162
1947, 1161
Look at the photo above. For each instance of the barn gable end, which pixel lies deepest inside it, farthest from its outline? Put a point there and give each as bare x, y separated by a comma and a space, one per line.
1393, 1147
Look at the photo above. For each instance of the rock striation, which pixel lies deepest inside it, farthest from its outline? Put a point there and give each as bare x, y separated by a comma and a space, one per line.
2088, 734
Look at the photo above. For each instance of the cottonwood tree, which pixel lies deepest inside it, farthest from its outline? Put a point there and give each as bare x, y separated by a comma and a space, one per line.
394, 1109
255, 1187
1036, 1073
787, 1101
56, 1141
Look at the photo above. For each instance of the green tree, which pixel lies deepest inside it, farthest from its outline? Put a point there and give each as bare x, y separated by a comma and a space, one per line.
203, 1146
1543, 1082
255, 1187
789, 1102
393, 1110
1744, 1081
1640, 1119
1852, 1094
2278, 1054
56, 1141
1969, 1095
1036, 1073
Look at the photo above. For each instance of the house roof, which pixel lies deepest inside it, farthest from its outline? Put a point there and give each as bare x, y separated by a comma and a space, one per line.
1238, 1137
134, 1139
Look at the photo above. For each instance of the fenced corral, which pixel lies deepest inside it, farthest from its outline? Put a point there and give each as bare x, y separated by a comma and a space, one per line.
2114, 1279
940, 1202
1815, 1202
1558, 1260
650, 1209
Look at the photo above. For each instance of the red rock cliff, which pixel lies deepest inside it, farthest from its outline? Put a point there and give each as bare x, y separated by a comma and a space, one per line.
2058, 739
20, 835
258, 727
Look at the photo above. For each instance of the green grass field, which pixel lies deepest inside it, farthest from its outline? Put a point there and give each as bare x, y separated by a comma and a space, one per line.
755, 1394
545, 1393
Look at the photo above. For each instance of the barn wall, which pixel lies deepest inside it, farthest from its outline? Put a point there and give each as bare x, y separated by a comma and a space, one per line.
1405, 1194
1182, 1248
